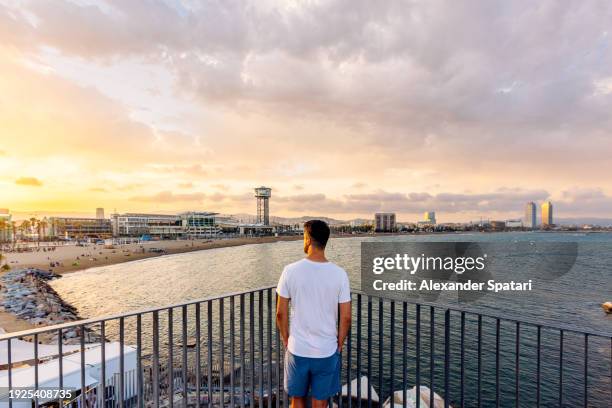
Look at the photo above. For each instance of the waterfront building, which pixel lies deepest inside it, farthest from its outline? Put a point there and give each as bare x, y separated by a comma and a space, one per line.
263, 195
199, 224
530, 215
514, 224
498, 225
429, 217
78, 227
385, 222
161, 226
547, 214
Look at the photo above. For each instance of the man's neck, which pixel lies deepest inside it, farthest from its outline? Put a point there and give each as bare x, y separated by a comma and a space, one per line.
316, 256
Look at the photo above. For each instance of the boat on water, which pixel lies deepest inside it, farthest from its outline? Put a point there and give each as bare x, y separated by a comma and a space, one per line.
359, 391
424, 395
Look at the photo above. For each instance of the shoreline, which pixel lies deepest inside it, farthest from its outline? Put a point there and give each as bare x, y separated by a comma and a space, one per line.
72, 258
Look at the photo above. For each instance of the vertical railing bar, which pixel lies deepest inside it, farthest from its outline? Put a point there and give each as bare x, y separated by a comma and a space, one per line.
10, 368
103, 362
82, 351
497, 353
184, 339
358, 351
380, 347
60, 360
349, 347
586, 370
418, 356
370, 352
36, 369
261, 349
538, 365
209, 350
338, 395
479, 386
232, 353
170, 374
242, 351
517, 368
462, 363
446, 357
404, 352
121, 361
278, 359
392, 354
561, 368
139, 385
155, 359
252, 345
222, 352
198, 357
269, 304
432, 343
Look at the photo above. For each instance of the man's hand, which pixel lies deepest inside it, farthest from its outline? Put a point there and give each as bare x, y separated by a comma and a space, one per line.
282, 319
345, 323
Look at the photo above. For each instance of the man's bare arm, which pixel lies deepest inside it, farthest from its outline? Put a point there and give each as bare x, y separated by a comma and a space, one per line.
282, 318
345, 323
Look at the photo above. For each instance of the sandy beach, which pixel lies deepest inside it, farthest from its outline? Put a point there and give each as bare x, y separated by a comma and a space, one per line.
71, 258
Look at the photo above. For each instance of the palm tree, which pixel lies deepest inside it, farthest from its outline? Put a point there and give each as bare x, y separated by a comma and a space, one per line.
14, 232
24, 227
43, 224
3, 226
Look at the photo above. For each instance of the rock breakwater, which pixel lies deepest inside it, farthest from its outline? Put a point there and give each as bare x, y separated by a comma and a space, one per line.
26, 294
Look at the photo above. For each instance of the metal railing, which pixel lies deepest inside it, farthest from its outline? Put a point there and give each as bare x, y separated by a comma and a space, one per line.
226, 351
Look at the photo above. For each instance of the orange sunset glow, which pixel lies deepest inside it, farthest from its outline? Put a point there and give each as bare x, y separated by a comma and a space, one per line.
166, 106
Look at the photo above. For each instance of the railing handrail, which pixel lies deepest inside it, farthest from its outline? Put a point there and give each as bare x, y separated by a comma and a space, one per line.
93, 320
452, 308
501, 316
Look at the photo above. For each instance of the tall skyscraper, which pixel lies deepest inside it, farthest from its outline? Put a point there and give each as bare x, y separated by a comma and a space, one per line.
530, 215
429, 217
100, 213
547, 214
385, 222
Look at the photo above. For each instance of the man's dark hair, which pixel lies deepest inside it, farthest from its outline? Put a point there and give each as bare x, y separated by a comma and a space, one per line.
318, 231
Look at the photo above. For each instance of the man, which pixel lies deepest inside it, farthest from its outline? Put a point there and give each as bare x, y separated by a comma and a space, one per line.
316, 289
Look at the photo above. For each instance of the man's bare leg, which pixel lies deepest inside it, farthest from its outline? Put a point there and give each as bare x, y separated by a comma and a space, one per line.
319, 403
298, 402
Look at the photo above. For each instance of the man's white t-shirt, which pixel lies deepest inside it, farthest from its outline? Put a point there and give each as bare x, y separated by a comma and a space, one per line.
315, 289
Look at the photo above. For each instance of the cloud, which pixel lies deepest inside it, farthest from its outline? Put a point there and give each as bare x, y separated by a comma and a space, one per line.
28, 181
169, 197
501, 200
328, 94
98, 190
186, 185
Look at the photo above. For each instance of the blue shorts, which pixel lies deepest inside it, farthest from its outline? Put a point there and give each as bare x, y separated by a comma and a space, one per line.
321, 375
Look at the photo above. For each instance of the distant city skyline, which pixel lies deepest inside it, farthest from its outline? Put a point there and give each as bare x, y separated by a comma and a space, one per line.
113, 109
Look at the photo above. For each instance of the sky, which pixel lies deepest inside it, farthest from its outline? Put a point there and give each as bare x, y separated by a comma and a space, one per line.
343, 108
